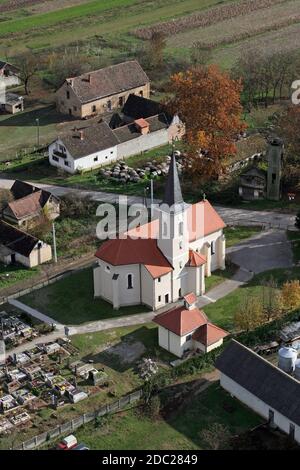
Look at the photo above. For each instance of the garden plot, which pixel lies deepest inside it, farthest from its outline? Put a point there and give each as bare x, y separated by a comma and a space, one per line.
249, 25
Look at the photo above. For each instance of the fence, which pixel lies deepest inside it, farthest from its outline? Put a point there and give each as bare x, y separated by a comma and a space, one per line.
75, 423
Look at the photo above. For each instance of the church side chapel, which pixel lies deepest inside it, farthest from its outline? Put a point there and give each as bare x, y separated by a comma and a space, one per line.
168, 258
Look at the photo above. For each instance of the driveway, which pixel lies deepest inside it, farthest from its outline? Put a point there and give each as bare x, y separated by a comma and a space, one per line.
265, 251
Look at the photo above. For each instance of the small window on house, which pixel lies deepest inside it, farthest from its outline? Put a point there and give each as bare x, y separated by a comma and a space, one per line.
180, 245
74, 108
107, 269
68, 95
67, 163
129, 282
106, 157
159, 298
141, 93
188, 338
212, 248
180, 293
121, 100
180, 228
159, 279
56, 159
180, 265
96, 159
94, 109
111, 152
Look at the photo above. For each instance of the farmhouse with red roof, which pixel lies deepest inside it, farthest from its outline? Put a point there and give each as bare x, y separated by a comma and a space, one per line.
186, 328
160, 262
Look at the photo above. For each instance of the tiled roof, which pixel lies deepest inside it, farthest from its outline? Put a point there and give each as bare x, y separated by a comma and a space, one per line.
88, 140
26, 206
108, 81
99, 136
135, 251
21, 189
262, 379
139, 107
209, 334
202, 218
190, 298
16, 239
195, 259
181, 321
130, 131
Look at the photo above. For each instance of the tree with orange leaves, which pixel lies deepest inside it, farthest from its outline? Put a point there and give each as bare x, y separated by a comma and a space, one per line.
208, 102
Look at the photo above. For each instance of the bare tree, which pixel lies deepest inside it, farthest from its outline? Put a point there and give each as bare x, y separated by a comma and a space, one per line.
29, 65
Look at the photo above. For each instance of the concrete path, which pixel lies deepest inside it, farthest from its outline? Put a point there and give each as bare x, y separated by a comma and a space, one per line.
241, 277
269, 219
35, 313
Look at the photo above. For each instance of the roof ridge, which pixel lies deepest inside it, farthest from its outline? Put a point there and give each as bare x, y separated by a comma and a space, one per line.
16, 229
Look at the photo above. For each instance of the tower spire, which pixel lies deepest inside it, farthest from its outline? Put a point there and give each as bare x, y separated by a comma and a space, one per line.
173, 194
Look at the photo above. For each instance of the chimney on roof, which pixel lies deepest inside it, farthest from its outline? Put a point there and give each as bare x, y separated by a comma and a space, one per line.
190, 301
142, 126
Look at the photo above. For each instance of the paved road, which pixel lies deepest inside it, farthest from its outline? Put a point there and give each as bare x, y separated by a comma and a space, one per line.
230, 215
266, 250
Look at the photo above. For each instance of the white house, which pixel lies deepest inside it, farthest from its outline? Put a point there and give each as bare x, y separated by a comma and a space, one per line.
143, 127
83, 149
186, 328
162, 261
263, 387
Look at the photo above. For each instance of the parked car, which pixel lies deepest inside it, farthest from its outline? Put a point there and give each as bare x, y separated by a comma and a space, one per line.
68, 443
80, 447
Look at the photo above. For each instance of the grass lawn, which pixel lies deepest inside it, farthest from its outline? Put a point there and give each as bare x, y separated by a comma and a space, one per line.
12, 274
222, 312
237, 234
294, 237
131, 430
19, 132
219, 276
71, 301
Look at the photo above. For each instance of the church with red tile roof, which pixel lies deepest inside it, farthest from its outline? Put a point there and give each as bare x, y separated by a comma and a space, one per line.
160, 262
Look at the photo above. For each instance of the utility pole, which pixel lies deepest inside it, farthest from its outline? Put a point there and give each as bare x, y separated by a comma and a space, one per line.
152, 191
54, 243
38, 131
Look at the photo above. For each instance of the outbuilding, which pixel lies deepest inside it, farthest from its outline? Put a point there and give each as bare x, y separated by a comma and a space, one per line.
263, 387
